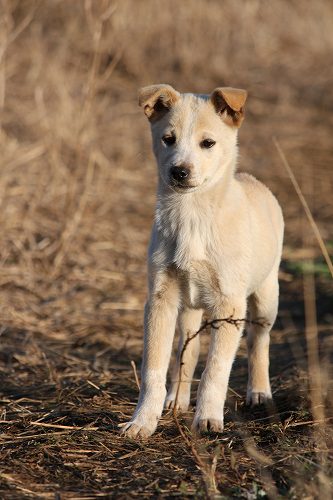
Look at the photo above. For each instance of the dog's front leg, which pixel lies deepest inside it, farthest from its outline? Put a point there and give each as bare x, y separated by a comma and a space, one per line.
215, 378
160, 322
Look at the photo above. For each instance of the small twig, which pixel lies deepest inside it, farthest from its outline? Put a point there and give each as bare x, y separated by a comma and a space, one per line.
208, 475
234, 392
215, 324
69, 427
209, 483
104, 446
32, 436
135, 374
309, 422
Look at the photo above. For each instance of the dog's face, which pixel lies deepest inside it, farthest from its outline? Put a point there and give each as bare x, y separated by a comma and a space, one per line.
194, 136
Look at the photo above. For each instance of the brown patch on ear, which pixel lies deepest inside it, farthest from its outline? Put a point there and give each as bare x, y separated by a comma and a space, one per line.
229, 103
157, 100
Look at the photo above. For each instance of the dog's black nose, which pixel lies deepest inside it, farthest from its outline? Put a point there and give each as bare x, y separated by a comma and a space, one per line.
179, 174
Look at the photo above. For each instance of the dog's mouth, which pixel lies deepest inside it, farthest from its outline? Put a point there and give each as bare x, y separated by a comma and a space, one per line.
180, 187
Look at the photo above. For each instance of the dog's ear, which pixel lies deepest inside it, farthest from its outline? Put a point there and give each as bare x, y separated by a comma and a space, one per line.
156, 100
229, 104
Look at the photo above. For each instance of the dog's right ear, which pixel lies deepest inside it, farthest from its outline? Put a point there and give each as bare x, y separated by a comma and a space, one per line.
157, 100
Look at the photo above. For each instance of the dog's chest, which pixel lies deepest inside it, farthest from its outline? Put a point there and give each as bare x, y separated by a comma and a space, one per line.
192, 249
185, 225
193, 257
190, 246
200, 285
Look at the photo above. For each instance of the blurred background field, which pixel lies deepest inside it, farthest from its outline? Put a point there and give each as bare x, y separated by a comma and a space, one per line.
77, 188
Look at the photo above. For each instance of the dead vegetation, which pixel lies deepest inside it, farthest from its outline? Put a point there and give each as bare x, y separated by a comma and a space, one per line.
77, 195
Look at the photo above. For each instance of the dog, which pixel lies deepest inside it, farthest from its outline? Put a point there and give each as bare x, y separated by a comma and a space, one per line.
216, 247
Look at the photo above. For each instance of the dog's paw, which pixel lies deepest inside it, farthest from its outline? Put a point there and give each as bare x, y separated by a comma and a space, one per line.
255, 398
139, 429
182, 403
207, 425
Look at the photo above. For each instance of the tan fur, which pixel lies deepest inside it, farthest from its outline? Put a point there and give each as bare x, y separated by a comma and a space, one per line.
215, 246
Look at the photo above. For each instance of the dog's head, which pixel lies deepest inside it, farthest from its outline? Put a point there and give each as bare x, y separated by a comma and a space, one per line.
194, 136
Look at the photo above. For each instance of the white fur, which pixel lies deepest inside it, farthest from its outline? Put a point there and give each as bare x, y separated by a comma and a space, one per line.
215, 246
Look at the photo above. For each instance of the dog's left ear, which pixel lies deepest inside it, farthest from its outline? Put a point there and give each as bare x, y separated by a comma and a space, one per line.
229, 104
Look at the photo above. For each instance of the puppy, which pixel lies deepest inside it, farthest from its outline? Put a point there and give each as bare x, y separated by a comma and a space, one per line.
215, 246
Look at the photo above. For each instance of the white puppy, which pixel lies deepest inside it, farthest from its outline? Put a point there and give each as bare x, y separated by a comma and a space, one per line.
215, 246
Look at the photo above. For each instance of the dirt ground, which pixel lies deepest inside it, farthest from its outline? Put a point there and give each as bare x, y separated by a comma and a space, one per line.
77, 191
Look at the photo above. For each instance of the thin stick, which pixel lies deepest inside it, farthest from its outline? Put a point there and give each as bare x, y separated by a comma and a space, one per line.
310, 422
208, 476
32, 436
305, 206
215, 325
135, 374
208, 473
69, 427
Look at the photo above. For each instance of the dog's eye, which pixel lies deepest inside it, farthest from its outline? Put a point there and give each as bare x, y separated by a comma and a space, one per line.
169, 139
207, 143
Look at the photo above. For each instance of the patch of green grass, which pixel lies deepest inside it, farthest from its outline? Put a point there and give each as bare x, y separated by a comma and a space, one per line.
301, 267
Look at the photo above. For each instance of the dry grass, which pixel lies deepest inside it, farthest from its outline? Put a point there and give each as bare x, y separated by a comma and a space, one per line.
77, 196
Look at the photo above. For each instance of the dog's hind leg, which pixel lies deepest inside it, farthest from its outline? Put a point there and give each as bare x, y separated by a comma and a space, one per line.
180, 390
263, 305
